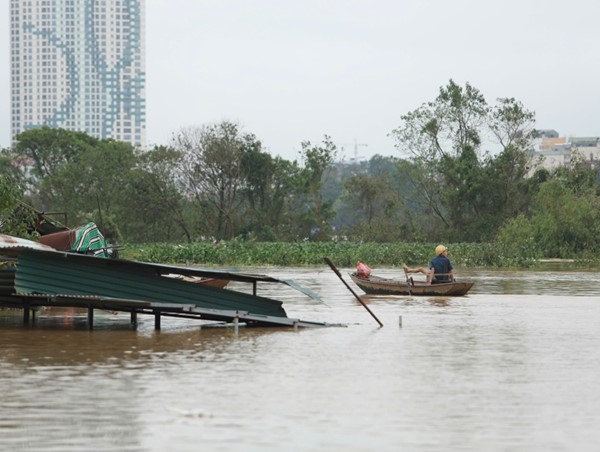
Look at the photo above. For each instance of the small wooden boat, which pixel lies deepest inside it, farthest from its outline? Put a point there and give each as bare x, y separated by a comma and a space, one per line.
212, 282
375, 285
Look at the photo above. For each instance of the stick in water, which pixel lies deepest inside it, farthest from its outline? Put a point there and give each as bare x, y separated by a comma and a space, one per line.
328, 261
408, 283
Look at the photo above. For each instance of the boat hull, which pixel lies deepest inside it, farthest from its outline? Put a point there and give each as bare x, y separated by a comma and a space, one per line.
211, 282
214, 282
375, 285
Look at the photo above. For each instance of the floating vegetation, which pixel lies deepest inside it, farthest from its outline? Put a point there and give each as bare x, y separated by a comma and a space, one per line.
344, 254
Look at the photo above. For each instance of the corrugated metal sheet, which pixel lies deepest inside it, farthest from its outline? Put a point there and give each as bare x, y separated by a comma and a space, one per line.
11, 246
73, 274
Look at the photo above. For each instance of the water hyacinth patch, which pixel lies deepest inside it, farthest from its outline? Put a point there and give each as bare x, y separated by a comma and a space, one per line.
344, 254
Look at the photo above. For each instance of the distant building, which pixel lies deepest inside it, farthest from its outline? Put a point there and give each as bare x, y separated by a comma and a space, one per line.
584, 141
79, 65
551, 152
586, 150
546, 133
550, 144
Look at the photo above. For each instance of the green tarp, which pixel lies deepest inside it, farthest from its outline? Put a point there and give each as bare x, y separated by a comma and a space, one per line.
89, 240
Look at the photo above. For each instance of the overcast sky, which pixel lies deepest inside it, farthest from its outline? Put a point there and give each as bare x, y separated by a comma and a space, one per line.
291, 71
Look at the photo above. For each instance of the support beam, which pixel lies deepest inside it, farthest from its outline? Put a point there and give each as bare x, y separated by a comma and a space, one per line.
90, 317
26, 315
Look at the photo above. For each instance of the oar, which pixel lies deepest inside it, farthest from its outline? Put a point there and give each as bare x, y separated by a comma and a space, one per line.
328, 261
408, 283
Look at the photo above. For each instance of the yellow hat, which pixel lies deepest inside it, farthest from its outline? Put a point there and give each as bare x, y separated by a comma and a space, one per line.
440, 249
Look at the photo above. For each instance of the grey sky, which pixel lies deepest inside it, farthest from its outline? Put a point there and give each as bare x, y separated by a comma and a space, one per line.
293, 71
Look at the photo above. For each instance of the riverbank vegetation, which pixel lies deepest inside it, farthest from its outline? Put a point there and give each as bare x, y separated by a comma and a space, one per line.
464, 175
345, 254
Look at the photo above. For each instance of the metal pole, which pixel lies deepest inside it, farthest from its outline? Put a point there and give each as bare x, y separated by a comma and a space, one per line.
328, 261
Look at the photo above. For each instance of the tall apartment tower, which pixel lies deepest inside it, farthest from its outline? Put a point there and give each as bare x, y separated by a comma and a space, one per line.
79, 65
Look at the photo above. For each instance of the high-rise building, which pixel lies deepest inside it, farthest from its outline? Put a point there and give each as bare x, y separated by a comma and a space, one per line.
79, 65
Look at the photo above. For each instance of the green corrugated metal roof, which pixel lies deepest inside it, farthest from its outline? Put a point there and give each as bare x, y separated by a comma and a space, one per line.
72, 274
13, 246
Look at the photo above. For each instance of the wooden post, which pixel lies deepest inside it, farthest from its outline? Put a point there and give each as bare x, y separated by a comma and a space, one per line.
90, 317
134, 318
26, 315
157, 320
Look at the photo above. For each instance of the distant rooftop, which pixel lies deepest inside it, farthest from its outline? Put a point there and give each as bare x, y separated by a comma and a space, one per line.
546, 133
549, 143
584, 141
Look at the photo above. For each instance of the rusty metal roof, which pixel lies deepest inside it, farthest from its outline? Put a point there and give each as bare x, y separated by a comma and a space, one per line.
11, 246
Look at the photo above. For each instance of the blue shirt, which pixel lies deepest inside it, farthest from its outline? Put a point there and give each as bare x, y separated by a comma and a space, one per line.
441, 265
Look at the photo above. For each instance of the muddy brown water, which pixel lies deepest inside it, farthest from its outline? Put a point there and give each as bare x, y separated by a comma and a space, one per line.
515, 365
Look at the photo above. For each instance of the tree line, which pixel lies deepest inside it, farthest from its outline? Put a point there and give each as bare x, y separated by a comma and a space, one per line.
463, 174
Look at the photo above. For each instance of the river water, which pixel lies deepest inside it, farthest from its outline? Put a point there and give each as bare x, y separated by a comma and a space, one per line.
513, 366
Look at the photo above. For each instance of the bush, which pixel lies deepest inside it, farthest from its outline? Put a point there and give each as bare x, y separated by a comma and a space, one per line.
343, 254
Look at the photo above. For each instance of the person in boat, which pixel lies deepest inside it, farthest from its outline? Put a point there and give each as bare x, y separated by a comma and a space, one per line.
440, 268
423, 270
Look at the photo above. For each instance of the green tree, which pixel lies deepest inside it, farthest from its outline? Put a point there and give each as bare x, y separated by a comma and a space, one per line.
212, 172
87, 178
470, 191
14, 219
374, 202
10, 168
462, 194
93, 185
507, 189
270, 183
317, 166
579, 177
46, 150
564, 223
156, 207
437, 134
444, 127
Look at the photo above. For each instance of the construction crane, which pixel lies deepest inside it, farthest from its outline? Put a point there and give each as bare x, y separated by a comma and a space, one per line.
356, 145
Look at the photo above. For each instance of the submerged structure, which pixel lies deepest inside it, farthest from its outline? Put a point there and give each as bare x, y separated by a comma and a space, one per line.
33, 275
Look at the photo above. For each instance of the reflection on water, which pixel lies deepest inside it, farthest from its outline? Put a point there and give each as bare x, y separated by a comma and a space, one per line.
512, 366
